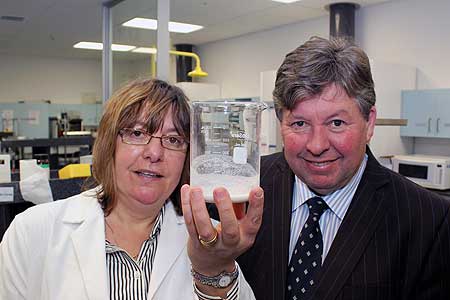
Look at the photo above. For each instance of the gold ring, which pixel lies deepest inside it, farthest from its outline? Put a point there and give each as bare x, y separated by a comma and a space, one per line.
209, 243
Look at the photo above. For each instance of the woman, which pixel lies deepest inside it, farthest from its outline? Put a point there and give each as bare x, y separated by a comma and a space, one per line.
126, 238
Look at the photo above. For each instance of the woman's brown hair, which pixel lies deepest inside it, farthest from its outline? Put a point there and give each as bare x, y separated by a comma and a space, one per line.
147, 100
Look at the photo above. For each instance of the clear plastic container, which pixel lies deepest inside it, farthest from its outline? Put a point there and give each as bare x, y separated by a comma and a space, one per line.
225, 147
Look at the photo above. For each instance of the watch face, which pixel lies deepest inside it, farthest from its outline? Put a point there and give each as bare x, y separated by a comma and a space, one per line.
225, 281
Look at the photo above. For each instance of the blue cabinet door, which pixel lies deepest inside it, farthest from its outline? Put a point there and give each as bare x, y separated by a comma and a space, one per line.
427, 112
418, 109
441, 123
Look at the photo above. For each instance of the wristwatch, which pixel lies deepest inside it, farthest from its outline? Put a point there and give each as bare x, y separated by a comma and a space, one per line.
221, 281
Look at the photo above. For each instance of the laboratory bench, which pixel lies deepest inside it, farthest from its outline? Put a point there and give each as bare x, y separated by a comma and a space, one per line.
50, 147
61, 189
61, 141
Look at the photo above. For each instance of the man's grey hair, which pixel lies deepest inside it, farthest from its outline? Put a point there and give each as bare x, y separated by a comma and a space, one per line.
316, 64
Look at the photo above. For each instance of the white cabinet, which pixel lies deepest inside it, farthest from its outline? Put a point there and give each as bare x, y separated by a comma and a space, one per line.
270, 128
199, 91
390, 79
428, 113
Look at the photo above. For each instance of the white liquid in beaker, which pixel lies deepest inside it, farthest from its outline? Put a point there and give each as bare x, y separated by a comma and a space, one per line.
238, 186
210, 171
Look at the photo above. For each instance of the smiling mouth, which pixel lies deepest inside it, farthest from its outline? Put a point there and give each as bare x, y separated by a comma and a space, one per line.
148, 174
320, 163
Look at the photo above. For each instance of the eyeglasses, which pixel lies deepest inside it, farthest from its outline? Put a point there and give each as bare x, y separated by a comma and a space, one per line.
133, 136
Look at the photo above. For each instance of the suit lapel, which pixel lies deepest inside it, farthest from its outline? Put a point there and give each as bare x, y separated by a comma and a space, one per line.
279, 188
171, 244
359, 224
89, 245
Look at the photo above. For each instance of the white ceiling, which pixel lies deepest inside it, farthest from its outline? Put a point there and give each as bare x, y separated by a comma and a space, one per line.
51, 27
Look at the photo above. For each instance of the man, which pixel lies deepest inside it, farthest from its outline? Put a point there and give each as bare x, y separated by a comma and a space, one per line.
372, 234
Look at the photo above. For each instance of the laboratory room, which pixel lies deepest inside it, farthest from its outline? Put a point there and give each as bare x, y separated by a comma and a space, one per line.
243, 116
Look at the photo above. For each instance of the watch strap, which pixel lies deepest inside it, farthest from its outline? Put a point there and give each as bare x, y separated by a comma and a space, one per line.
232, 294
222, 280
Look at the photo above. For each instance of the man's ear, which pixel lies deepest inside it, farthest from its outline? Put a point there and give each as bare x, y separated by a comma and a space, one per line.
371, 123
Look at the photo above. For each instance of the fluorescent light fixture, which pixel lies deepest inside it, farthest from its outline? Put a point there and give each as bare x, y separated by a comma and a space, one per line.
99, 46
286, 1
142, 23
89, 45
183, 27
121, 48
145, 50
153, 25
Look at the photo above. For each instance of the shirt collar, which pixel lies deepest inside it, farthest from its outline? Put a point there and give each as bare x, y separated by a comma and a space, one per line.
338, 201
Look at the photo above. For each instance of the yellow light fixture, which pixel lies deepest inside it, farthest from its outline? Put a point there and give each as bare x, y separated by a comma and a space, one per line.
197, 72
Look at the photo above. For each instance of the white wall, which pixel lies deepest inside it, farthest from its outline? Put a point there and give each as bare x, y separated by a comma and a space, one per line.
59, 80
389, 80
411, 32
408, 32
235, 64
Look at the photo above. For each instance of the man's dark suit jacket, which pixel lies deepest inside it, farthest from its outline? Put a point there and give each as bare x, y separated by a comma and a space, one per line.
394, 242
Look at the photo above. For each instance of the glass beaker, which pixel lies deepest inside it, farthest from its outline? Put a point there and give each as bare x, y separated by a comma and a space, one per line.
225, 147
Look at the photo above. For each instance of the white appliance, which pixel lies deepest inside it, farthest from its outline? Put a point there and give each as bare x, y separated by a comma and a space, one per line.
426, 170
86, 159
5, 168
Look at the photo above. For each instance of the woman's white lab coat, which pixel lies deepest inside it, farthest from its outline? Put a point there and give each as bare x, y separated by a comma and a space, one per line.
56, 251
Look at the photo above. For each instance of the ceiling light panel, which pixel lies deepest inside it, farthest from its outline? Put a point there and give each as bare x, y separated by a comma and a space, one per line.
99, 46
89, 45
145, 50
142, 23
183, 27
286, 1
122, 48
153, 25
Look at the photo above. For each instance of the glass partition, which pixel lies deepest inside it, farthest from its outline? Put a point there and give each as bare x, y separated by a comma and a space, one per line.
40, 68
133, 48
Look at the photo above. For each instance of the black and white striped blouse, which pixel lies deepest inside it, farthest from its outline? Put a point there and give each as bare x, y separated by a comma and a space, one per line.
129, 279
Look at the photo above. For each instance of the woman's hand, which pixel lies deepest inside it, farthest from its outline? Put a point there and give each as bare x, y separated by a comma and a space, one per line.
234, 236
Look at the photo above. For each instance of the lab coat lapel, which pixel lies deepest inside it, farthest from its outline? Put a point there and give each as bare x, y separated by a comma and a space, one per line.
89, 246
171, 243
